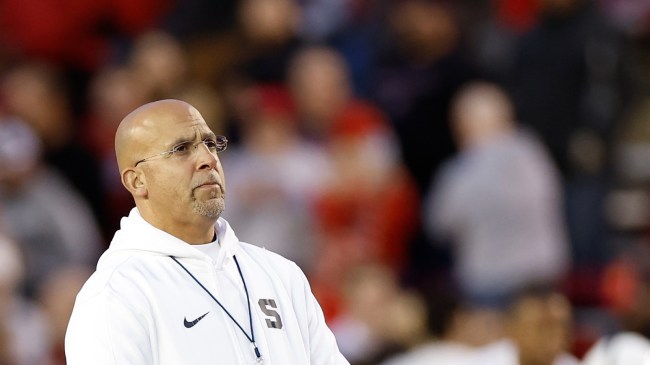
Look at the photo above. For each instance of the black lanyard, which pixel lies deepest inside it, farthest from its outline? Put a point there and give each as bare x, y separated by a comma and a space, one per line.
250, 338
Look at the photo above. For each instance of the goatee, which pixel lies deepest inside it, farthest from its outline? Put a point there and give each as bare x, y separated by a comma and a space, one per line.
209, 209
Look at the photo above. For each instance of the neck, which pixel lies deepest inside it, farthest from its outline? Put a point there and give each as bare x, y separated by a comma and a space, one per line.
194, 234
195, 230
524, 361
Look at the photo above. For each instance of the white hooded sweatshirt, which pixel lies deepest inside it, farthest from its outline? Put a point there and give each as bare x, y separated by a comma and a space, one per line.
140, 307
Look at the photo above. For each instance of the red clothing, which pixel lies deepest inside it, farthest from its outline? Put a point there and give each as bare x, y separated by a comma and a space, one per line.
371, 210
382, 222
74, 32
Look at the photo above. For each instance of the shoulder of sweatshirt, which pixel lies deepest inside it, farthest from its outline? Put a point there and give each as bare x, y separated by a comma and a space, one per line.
276, 265
120, 272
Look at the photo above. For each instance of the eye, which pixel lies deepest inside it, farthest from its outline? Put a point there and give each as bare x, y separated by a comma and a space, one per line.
221, 143
181, 149
211, 144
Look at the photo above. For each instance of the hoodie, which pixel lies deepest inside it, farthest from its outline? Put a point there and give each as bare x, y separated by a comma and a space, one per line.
141, 307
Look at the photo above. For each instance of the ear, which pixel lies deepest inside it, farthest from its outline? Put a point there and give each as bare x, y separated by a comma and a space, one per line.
134, 181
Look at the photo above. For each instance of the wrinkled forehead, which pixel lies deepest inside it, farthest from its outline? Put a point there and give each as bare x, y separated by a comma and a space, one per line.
187, 124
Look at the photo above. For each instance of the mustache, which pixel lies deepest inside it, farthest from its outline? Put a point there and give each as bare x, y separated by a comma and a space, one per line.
209, 180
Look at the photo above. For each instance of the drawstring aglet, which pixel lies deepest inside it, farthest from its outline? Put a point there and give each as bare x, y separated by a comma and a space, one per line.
260, 360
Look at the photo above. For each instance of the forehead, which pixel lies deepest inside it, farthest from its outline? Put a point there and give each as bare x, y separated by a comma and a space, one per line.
185, 124
550, 308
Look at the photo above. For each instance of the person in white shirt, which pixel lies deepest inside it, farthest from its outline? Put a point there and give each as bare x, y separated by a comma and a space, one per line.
537, 328
176, 286
448, 343
538, 331
619, 349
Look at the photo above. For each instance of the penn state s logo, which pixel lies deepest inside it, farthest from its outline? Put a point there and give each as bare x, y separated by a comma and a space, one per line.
268, 307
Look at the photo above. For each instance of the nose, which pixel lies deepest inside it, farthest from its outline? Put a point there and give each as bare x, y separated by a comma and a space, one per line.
205, 158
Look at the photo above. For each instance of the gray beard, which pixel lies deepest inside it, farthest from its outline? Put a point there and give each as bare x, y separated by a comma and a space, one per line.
209, 209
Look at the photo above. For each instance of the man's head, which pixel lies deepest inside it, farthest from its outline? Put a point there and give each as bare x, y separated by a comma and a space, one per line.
539, 322
173, 191
480, 112
319, 80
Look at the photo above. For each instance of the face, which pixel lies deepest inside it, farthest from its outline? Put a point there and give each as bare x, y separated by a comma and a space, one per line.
182, 189
319, 84
424, 26
541, 328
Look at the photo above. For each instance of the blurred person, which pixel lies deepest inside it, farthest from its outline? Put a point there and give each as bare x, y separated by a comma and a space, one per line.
353, 27
568, 85
498, 202
585, 84
624, 289
378, 317
319, 83
159, 67
619, 349
209, 101
275, 176
38, 94
23, 339
56, 299
447, 338
255, 50
19, 150
49, 220
368, 210
112, 94
268, 31
631, 150
174, 260
208, 32
5, 357
492, 31
538, 331
159, 63
419, 69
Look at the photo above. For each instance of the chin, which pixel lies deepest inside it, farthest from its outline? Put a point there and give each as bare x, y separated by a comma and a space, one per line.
210, 209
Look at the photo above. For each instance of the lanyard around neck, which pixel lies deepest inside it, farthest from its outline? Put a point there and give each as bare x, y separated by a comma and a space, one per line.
250, 338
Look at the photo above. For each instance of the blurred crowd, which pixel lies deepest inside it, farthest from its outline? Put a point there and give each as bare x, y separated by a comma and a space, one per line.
463, 182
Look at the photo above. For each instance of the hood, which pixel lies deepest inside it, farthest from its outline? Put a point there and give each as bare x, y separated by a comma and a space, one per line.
136, 234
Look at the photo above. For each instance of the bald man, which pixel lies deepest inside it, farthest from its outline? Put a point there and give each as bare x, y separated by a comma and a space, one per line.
176, 286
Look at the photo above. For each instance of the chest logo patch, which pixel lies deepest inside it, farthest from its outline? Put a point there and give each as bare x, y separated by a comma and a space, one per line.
269, 308
190, 324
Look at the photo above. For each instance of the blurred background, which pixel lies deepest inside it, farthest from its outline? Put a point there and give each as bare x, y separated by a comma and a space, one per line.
454, 177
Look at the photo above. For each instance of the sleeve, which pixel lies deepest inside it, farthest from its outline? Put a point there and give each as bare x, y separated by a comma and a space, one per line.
323, 349
619, 349
443, 205
104, 331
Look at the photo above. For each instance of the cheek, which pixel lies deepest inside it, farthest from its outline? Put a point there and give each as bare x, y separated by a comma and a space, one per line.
222, 175
168, 186
223, 183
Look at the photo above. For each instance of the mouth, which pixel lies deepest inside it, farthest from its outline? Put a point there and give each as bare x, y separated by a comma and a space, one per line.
210, 184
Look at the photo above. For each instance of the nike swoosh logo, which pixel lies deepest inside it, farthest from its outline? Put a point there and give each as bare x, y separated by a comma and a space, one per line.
190, 324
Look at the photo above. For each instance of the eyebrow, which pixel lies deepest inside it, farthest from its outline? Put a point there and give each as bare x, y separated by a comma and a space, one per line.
207, 135
180, 140
186, 139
